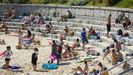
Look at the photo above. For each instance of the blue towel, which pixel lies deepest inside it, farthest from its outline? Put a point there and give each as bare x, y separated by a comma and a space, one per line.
49, 66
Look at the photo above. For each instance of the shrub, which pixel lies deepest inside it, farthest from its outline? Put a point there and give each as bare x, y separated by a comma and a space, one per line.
125, 3
47, 1
62, 1
78, 2
8, 1
37, 1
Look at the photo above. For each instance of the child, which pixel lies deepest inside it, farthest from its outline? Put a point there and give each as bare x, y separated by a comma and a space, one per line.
34, 59
7, 54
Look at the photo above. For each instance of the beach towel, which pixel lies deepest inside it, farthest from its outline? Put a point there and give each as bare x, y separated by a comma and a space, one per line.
27, 41
15, 67
2, 54
88, 58
49, 66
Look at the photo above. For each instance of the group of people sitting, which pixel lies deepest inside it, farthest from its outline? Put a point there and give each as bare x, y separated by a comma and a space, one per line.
25, 40
115, 51
99, 68
64, 18
93, 34
34, 18
122, 19
8, 53
9, 14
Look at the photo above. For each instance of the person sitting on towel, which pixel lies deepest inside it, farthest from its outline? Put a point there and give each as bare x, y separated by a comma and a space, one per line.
7, 13
76, 43
12, 14
68, 54
126, 66
66, 30
120, 18
7, 54
28, 39
126, 23
69, 14
80, 71
41, 19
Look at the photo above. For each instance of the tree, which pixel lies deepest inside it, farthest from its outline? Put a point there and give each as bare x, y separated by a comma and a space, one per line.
37, 1
8, 1
112, 2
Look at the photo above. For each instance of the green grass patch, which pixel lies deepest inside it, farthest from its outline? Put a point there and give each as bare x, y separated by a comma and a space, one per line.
125, 4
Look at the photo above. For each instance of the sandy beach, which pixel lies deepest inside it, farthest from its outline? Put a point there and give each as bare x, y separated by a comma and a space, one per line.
80, 44
23, 58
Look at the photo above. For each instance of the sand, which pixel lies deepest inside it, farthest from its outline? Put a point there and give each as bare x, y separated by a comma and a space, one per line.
23, 58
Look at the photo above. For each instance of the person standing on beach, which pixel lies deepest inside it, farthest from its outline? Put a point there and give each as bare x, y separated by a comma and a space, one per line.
109, 25
54, 50
84, 38
59, 53
34, 59
114, 57
20, 39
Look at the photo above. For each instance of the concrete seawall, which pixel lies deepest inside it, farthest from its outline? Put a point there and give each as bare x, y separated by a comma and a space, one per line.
82, 10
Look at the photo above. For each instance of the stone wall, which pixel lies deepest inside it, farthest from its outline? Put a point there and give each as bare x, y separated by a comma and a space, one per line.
86, 11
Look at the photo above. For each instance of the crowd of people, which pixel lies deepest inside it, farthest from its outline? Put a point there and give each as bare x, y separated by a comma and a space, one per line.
114, 51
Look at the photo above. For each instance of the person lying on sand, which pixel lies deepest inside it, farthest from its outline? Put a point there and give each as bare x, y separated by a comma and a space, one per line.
80, 71
68, 54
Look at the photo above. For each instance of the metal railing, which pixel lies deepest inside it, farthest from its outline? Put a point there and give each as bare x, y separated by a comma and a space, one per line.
116, 67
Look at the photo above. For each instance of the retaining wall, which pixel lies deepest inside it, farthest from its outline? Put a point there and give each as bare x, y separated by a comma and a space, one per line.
77, 10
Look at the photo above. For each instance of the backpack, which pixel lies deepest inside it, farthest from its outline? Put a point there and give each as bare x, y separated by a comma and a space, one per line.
119, 32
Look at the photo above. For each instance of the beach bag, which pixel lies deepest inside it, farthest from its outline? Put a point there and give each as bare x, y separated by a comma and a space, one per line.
52, 57
71, 34
116, 21
126, 34
18, 47
49, 66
